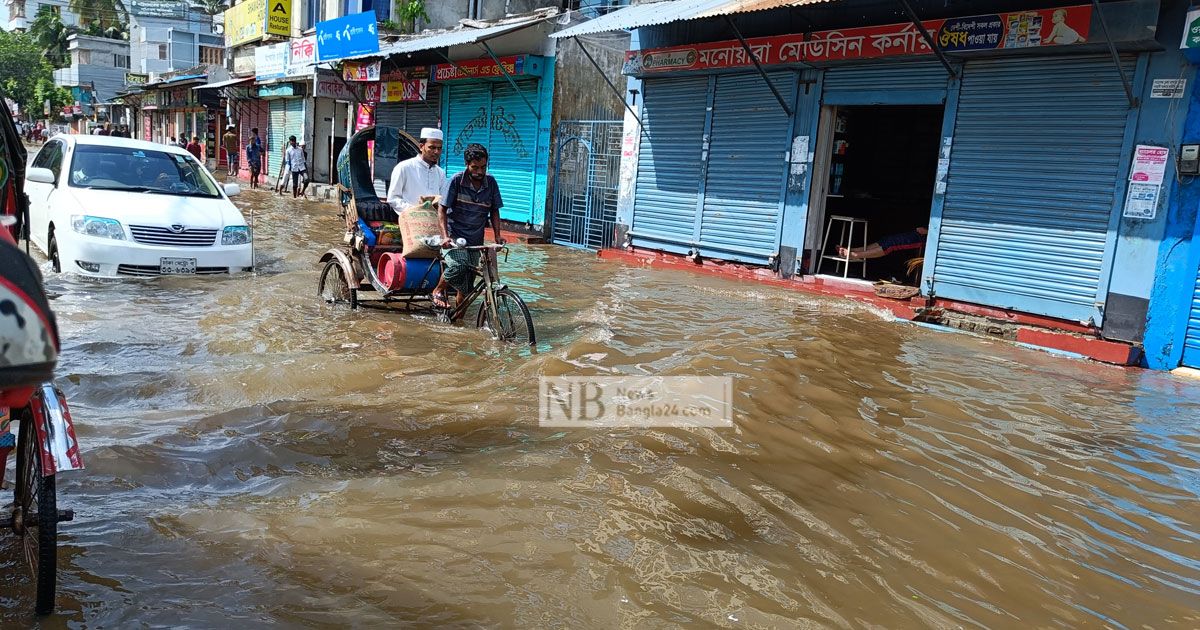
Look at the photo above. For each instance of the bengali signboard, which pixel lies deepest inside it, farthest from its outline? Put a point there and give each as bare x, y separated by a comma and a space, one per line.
303, 51
158, 8
347, 36
335, 88
358, 71
271, 62
1191, 29
133, 78
405, 74
409, 90
1022, 29
479, 68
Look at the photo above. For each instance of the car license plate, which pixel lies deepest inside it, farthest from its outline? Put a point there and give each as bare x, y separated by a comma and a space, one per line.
176, 266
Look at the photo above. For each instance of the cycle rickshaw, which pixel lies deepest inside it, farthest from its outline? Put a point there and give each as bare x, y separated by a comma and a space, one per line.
45, 439
369, 271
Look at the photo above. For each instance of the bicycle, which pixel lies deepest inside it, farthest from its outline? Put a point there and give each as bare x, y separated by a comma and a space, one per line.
503, 312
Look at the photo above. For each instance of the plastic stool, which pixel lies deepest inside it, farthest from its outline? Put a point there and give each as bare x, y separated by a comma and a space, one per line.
846, 239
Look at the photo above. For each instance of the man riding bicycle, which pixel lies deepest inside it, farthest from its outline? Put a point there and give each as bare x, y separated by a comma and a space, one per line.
471, 201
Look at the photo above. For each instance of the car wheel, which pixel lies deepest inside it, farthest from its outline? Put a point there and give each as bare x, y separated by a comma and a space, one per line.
52, 253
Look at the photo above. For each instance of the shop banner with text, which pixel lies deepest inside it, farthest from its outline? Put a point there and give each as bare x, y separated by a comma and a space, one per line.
1018, 30
347, 36
479, 68
358, 71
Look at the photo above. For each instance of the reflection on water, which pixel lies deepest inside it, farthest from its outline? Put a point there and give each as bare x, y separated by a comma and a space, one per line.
257, 456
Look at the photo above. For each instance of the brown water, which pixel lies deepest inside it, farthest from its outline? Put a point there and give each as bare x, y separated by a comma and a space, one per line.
255, 456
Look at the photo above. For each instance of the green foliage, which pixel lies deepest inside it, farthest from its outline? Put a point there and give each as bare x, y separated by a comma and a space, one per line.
50, 35
209, 7
389, 25
25, 74
409, 11
101, 15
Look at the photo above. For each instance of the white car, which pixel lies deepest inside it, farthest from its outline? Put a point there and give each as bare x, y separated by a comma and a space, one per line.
105, 206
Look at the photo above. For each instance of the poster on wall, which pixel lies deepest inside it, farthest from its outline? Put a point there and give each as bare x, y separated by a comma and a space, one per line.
1017, 30
356, 71
1149, 164
1141, 201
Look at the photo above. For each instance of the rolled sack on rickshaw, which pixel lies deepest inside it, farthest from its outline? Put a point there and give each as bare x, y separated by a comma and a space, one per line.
387, 253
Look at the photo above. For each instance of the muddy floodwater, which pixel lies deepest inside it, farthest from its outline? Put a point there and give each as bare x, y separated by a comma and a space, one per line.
258, 457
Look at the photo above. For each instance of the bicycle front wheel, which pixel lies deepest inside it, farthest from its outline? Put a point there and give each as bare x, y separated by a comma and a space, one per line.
36, 515
514, 323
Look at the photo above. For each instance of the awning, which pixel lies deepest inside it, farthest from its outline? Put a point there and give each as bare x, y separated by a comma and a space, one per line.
673, 11
456, 37
221, 84
175, 81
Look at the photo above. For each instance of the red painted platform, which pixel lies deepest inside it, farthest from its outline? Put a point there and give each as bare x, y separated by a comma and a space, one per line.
1035, 330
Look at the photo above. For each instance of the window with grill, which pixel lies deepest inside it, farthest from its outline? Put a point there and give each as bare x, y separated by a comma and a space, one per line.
212, 56
121, 61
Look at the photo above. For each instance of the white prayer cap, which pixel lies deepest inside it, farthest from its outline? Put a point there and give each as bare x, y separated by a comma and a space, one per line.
431, 133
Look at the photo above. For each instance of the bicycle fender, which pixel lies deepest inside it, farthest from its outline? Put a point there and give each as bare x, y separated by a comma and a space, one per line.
56, 431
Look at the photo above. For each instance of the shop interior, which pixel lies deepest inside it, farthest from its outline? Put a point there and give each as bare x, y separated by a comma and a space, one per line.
877, 165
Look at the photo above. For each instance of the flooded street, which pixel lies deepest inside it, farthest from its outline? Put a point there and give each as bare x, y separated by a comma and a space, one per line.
256, 456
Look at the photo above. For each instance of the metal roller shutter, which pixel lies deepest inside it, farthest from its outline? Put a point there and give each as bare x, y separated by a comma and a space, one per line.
1033, 182
1191, 343
919, 83
747, 164
514, 146
412, 117
494, 115
276, 136
669, 162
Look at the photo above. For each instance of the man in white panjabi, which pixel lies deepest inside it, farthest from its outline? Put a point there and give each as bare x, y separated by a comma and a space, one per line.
418, 176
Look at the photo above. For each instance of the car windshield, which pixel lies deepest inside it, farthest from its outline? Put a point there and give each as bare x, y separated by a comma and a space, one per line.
140, 170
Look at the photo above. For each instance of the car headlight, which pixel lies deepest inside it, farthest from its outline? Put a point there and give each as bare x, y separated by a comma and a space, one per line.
235, 235
99, 227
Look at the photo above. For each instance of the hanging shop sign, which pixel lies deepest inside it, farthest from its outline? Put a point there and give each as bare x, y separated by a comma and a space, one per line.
405, 74
365, 117
480, 68
347, 37
1191, 29
1004, 31
271, 62
249, 21
303, 51
358, 71
404, 91
334, 88
132, 78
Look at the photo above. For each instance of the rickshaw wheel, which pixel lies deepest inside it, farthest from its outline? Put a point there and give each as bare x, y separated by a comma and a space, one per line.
36, 515
515, 325
334, 287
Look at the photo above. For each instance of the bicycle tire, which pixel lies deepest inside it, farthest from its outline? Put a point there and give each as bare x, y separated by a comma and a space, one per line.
514, 316
37, 497
343, 294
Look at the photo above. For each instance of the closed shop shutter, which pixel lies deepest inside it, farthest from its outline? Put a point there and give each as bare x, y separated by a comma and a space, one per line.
412, 117
669, 162
276, 136
1035, 165
920, 83
494, 115
747, 167
252, 114
1191, 344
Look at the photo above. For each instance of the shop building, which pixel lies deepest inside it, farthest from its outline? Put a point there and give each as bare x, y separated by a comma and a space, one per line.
1011, 136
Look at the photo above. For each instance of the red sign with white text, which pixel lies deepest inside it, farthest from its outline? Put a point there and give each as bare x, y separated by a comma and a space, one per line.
479, 68
1007, 31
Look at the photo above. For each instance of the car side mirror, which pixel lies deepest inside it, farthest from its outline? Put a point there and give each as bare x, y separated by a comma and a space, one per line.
41, 176
232, 189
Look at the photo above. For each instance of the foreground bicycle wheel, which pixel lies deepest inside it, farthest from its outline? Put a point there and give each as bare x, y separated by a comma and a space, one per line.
514, 325
35, 519
334, 288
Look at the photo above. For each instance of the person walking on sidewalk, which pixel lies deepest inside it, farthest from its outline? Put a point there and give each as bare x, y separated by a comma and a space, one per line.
294, 158
254, 157
193, 147
230, 140
419, 176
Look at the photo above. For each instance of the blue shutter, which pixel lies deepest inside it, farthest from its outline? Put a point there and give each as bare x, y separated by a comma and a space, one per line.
1035, 168
1191, 342
513, 148
912, 83
669, 162
467, 121
747, 167
276, 136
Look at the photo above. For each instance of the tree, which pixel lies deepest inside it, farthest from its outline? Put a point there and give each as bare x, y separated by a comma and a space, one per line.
50, 34
100, 14
409, 11
209, 7
25, 75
